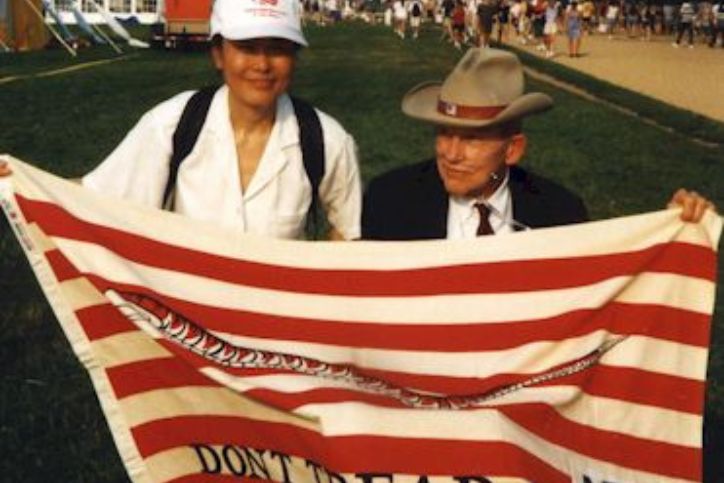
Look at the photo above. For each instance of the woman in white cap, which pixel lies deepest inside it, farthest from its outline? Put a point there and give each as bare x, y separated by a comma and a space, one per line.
245, 168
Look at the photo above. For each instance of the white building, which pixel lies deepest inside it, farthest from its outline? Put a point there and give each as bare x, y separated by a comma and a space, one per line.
145, 11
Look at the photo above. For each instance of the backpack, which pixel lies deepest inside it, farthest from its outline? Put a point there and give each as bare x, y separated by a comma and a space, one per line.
311, 140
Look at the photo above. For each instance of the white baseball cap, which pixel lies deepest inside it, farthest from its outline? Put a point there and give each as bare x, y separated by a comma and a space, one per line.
253, 19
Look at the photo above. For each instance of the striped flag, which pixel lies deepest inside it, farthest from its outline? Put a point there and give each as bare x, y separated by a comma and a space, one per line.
569, 354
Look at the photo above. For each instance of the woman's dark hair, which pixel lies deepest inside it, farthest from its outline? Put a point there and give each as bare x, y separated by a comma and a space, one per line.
216, 40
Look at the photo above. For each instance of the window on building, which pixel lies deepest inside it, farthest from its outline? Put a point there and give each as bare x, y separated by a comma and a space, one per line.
64, 5
87, 5
146, 6
119, 6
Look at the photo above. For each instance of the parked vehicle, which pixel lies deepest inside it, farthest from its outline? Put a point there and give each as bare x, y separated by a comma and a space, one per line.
185, 25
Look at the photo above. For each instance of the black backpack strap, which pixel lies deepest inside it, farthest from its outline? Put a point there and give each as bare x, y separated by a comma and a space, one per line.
311, 140
185, 136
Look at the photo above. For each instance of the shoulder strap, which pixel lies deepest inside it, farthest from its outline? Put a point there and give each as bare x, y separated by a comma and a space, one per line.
311, 140
185, 136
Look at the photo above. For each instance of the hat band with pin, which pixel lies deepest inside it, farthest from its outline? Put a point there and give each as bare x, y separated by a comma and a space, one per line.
462, 111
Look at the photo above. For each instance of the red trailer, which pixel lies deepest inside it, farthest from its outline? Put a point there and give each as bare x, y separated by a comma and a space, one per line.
186, 24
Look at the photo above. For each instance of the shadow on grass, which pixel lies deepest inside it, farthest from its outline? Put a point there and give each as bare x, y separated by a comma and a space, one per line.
713, 447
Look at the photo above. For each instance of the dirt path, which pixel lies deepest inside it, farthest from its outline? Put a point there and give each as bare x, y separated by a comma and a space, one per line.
64, 70
688, 78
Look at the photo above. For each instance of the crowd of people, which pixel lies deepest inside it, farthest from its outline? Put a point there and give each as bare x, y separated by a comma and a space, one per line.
476, 22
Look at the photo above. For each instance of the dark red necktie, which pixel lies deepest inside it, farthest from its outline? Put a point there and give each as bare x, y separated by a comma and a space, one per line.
484, 227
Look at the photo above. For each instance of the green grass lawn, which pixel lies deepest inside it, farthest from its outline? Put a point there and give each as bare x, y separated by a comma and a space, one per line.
51, 428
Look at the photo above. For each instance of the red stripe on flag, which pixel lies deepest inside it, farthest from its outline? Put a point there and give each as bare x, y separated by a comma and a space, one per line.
165, 373
626, 384
349, 454
656, 321
618, 448
171, 373
62, 268
641, 387
666, 395
660, 322
100, 321
494, 277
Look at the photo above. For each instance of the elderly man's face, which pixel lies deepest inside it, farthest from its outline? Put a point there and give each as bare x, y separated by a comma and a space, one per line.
467, 157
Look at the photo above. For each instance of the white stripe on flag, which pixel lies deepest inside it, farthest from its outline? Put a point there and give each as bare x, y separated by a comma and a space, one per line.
124, 348
648, 354
461, 309
526, 359
168, 403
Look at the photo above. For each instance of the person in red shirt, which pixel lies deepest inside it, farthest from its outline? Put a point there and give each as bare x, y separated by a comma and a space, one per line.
458, 23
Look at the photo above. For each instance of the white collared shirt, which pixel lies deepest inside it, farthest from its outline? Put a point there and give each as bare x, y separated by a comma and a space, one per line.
277, 198
463, 218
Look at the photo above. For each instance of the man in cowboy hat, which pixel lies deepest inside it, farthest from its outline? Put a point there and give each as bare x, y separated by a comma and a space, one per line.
474, 187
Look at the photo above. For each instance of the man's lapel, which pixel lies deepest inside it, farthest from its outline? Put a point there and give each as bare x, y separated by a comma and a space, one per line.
523, 194
433, 203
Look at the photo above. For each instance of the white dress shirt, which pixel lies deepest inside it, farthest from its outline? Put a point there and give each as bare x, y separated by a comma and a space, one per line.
463, 218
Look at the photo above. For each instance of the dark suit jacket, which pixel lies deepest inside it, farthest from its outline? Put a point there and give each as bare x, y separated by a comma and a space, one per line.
410, 203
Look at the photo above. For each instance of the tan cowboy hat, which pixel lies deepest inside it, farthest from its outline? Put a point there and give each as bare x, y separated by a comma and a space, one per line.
484, 89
